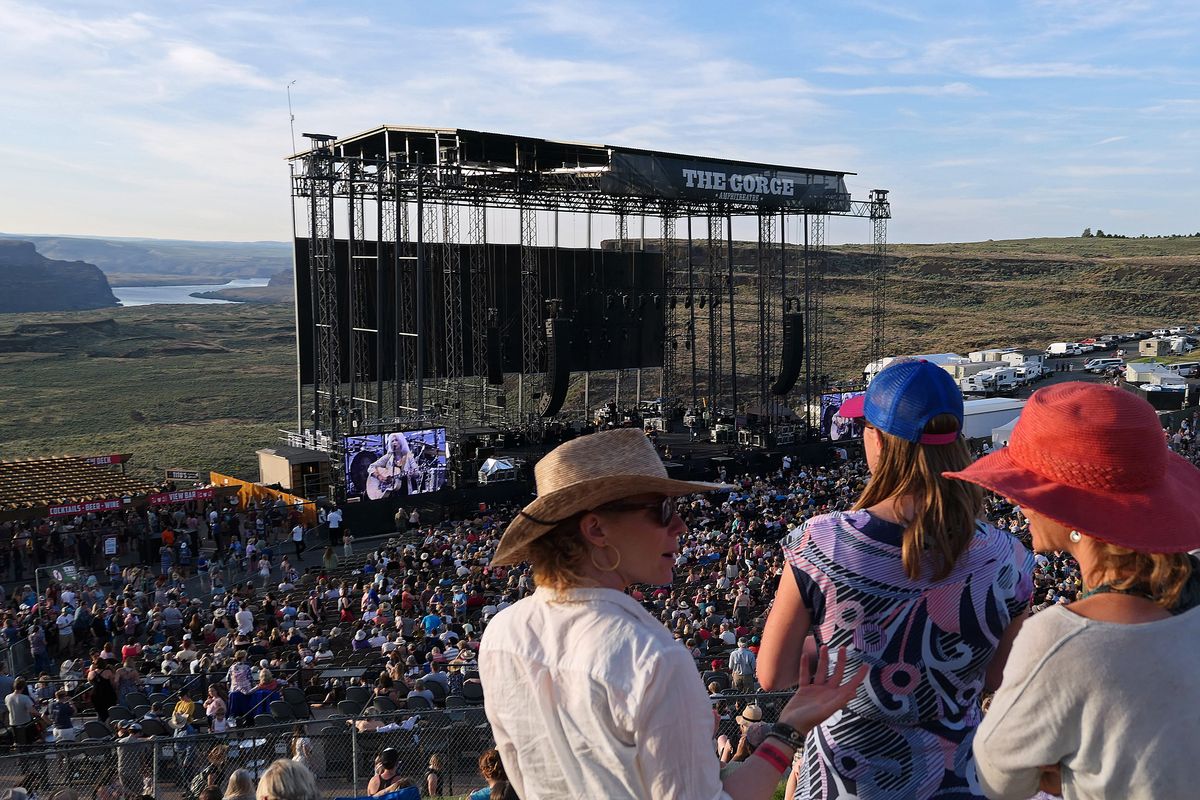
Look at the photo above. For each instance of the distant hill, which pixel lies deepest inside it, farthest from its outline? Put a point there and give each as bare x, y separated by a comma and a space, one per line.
31, 282
168, 257
280, 289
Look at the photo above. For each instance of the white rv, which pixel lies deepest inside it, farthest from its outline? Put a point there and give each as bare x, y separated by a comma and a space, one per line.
997, 380
941, 359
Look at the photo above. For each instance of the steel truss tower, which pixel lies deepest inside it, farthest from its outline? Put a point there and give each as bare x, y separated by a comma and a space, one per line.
881, 212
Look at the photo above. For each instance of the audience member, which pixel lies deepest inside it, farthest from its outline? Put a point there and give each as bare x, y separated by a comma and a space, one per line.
605, 519
926, 596
1099, 696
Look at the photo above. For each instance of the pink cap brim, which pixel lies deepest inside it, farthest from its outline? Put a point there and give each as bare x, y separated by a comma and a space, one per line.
853, 408
939, 438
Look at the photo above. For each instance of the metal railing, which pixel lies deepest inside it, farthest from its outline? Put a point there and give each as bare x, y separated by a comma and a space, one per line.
338, 751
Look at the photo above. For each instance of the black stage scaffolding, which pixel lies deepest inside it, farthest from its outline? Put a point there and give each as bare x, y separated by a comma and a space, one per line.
550, 306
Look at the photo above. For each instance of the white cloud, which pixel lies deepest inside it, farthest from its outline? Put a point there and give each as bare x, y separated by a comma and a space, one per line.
1110, 170
200, 66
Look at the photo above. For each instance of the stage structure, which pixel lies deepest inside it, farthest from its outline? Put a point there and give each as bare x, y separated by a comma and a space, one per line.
456, 279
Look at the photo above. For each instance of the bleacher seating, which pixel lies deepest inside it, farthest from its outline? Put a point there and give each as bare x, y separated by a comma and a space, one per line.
41, 482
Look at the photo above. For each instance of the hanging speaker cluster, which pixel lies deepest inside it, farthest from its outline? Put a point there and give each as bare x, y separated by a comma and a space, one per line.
559, 332
495, 358
793, 353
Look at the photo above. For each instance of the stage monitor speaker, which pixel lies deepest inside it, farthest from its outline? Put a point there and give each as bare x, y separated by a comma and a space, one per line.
793, 353
558, 366
495, 359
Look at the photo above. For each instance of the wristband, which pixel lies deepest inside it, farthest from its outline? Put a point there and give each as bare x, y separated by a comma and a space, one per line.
773, 756
788, 734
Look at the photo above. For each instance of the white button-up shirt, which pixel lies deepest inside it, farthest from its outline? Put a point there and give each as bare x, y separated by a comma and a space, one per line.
591, 697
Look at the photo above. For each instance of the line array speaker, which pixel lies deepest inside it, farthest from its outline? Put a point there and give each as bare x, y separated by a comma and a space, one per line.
558, 366
495, 358
793, 353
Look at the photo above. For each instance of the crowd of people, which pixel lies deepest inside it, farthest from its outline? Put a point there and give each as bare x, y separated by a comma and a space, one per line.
228, 615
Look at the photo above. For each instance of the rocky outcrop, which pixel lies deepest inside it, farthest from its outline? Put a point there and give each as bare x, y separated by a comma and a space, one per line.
31, 282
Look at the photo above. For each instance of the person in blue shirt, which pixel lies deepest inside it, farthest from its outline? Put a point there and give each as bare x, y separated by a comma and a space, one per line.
492, 770
431, 622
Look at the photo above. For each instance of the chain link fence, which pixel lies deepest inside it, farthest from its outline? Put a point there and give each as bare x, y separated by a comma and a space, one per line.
340, 751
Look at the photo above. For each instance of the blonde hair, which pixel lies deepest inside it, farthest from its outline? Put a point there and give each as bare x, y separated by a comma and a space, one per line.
1160, 575
287, 780
240, 784
558, 556
945, 511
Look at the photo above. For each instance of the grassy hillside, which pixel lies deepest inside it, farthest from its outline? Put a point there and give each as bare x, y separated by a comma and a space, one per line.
204, 386
180, 386
961, 297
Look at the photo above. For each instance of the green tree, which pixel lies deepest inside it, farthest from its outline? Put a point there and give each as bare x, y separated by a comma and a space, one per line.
1087, 233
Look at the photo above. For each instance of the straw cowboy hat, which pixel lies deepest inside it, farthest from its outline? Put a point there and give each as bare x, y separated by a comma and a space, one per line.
1094, 458
751, 713
586, 473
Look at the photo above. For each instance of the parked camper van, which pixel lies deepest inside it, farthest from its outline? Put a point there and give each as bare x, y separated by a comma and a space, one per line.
1063, 349
1102, 364
1186, 369
991, 381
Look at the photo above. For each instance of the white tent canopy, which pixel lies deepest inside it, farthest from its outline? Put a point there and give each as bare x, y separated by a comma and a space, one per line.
1001, 435
495, 470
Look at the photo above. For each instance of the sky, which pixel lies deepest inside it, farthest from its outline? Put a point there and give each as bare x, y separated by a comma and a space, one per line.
985, 120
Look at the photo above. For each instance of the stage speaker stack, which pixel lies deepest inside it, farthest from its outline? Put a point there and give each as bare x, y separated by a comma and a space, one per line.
558, 366
793, 353
495, 360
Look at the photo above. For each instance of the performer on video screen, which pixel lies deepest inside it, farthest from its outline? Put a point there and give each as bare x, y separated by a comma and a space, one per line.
395, 464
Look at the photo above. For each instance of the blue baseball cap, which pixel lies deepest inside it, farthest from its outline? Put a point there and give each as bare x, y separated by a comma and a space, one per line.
904, 397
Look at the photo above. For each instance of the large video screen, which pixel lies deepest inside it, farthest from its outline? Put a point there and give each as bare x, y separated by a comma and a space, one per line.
395, 464
836, 428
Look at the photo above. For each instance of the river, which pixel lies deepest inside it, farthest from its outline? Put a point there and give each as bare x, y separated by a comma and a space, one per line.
150, 295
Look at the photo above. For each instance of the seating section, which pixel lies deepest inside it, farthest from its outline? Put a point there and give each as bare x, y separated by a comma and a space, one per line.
37, 483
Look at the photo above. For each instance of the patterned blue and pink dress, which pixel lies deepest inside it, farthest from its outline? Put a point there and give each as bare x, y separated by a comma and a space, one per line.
908, 732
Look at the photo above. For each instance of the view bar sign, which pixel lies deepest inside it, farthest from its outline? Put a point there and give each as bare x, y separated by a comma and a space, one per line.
182, 497
185, 475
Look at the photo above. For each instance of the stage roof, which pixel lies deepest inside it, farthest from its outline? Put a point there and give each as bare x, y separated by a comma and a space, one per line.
479, 161
502, 149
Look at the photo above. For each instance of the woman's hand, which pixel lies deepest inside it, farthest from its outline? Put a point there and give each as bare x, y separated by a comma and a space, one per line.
820, 694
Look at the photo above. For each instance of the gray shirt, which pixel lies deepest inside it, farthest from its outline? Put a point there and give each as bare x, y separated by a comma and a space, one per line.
1115, 704
20, 709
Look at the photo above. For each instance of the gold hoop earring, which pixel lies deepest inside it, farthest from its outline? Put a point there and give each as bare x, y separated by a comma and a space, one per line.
592, 556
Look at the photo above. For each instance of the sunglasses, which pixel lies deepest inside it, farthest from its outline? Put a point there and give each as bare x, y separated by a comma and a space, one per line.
664, 507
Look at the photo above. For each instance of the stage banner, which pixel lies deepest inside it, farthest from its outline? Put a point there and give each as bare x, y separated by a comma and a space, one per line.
674, 178
182, 497
91, 506
103, 461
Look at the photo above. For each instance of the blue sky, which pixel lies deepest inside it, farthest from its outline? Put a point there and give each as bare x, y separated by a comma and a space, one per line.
984, 119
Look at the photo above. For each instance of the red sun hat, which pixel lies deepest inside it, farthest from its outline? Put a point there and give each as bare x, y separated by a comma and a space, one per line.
1094, 457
